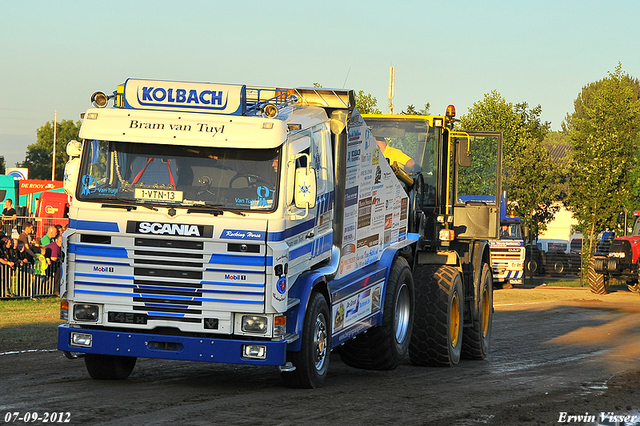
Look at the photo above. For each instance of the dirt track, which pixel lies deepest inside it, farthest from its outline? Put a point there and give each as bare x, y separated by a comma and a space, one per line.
553, 351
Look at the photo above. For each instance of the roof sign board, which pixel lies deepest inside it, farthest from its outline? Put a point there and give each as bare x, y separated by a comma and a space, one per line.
182, 96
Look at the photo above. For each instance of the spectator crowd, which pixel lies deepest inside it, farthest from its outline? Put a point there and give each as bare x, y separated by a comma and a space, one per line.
29, 251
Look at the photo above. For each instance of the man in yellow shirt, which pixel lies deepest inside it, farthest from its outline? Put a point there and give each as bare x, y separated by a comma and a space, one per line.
394, 154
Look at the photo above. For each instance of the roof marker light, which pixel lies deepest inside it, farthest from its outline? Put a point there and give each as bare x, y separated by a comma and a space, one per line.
451, 111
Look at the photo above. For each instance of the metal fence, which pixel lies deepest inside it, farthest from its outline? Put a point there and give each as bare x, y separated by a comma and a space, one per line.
40, 225
21, 282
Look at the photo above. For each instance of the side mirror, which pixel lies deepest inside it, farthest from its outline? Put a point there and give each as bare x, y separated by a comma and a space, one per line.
74, 149
305, 190
463, 148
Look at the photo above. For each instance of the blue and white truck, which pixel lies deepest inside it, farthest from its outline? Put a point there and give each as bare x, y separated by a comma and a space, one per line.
508, 252
262, 226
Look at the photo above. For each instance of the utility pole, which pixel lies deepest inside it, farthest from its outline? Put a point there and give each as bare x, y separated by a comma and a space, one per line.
55, 128
392, 79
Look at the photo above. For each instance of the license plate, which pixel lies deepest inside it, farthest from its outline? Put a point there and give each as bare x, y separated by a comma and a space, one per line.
127, 318
158, 195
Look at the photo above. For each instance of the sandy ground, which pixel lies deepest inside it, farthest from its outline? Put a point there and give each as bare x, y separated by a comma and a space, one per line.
558, 356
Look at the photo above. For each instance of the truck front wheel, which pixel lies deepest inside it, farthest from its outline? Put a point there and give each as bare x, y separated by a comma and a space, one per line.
109, 367
437, 328
385, 346
476, 339
598, 283
312, 361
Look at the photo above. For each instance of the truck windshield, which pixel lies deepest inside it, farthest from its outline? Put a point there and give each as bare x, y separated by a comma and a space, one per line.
179, 176
510, 232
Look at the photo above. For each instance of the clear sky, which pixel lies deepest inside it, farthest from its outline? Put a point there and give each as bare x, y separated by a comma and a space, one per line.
55, 54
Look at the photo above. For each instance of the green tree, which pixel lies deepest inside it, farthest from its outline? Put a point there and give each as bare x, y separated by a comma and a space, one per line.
2, 165
39, 155
604, 132
532, 179
412, 110
367, 103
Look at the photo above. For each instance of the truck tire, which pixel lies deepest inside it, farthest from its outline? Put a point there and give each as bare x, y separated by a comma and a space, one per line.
312, 361
598, 283
476, 339
109, 367
634, 288
385, 346
437, 328
559, 267
532, 267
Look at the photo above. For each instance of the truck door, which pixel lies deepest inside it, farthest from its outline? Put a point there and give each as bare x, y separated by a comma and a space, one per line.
310, 238
477, 183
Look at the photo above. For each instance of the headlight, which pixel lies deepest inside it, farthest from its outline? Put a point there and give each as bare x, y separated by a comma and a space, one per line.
447, 235
254, 324
85, 312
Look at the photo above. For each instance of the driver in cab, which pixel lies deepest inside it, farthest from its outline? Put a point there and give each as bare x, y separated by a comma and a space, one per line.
396, 155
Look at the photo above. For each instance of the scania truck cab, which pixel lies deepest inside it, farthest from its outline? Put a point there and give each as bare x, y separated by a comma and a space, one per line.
232, 224
263, 226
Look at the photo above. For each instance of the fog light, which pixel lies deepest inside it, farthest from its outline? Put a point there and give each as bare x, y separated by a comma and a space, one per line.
81, 339
86, 312
254, 351
254, 324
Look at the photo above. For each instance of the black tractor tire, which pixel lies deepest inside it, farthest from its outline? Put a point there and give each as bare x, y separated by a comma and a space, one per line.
477, 338
383, 347
634, 288
533, 268
109, 367
437, 328
312, 360
598, 283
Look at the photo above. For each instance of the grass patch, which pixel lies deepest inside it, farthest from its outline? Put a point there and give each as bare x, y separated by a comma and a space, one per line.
29, 324
21, 312
555, 282
614, 285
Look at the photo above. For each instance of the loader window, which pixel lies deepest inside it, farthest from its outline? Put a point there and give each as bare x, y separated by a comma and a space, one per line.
417, 141
478, 182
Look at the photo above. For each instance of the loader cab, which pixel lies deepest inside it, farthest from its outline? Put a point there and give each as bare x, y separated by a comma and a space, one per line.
457, 186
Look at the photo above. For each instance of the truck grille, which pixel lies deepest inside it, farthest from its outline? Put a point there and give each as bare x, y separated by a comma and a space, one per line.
171, 279
501, 259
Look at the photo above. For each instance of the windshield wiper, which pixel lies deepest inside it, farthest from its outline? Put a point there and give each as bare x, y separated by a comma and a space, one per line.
214, 210
129, 205
119, 206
